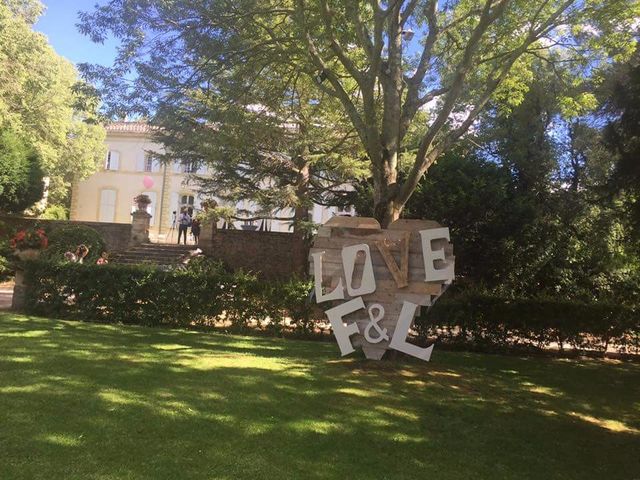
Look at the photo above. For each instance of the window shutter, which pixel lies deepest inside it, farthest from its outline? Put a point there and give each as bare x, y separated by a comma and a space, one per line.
140, 162
107, 206
155, 166
114, 161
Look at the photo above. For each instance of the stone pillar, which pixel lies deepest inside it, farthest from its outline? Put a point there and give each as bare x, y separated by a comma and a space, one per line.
140, 227
206, 237
19, 290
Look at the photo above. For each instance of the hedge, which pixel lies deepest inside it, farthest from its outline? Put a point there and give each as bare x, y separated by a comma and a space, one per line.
204, 292
487, 322
139, 294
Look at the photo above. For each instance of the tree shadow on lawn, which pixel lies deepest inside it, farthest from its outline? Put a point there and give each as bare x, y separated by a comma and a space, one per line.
91, 401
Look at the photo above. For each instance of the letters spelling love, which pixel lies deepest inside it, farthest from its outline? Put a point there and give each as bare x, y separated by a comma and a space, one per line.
378, 310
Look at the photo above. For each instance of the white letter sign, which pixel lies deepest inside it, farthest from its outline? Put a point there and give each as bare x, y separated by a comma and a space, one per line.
379, 279
368, 282
399, 340
433, 274
340, 330
338, 292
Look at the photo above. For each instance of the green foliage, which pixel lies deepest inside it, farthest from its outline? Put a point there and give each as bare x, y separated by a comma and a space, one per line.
345, 70
41, 100
55, 212
5, 251
150, 296
21, 183
470, 196
622, 135
482, 320
67, 239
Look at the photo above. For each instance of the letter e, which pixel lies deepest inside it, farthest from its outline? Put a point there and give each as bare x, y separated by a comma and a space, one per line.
433, 274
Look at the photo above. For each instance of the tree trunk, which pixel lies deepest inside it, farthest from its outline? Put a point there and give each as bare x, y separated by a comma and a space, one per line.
386, 208
301, 214
387, 212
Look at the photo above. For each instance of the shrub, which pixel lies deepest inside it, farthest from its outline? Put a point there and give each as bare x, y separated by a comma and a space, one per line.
147, 295
55, 212
67, 238
484, 321
5, 251
205, 291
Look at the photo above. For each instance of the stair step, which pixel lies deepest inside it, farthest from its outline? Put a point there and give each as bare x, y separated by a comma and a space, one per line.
153, 253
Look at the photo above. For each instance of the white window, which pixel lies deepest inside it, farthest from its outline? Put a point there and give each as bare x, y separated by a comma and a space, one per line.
148, 163
189, 167
113, 160
187, 202
107, 206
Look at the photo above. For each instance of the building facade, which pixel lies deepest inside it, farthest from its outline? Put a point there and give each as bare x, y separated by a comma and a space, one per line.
130, 169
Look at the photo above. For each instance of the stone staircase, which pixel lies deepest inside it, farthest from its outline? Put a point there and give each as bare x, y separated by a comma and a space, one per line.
154, 253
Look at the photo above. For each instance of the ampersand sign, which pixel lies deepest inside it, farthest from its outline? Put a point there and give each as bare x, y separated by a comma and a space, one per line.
375, 281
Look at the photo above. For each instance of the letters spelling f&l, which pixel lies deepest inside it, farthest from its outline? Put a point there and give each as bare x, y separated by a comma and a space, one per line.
434, 271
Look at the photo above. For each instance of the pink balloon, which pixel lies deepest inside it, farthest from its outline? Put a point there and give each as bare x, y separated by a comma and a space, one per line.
147, 181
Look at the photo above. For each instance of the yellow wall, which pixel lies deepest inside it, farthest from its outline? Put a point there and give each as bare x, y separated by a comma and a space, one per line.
127, 182
169, 186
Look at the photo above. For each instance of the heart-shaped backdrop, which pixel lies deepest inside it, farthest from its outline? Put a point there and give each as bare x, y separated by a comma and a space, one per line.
399, 267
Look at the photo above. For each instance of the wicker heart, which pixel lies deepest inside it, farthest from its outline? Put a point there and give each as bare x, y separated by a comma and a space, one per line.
376, 280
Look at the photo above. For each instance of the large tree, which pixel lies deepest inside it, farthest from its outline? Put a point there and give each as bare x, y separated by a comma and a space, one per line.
282, 148
44, 102
367, 56
21, 183
622, 134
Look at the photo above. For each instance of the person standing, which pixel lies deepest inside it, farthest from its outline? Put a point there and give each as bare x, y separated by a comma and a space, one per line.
184, 221
195, 230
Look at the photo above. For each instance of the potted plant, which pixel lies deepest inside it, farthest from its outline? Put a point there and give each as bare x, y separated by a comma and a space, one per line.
28, 243
208, 204
142, 201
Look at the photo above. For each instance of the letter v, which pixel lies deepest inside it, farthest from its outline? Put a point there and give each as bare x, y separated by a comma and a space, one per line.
400, 275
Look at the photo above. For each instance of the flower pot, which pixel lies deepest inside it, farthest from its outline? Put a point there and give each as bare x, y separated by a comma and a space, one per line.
142, 206
28, 254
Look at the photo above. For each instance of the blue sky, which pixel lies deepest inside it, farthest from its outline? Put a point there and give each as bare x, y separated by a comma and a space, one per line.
59, 24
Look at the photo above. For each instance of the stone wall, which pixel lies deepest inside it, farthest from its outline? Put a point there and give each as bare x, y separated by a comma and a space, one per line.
273, 255
117, 236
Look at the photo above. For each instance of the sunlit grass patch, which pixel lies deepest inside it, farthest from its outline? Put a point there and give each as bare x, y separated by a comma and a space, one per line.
110, 402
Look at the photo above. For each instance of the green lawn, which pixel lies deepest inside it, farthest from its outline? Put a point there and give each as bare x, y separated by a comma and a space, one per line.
83, 401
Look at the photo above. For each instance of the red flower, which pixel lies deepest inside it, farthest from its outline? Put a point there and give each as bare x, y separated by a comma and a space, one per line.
26, 239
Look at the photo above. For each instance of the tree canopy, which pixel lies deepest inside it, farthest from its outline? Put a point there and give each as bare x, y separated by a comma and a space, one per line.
21, 183
43, 101
283, 153
411, 76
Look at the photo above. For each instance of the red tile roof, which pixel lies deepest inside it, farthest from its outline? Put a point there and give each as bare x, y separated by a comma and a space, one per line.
128, 127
